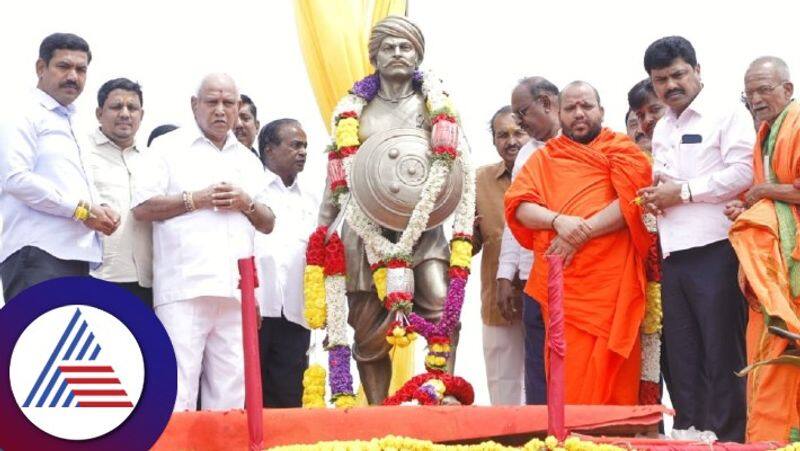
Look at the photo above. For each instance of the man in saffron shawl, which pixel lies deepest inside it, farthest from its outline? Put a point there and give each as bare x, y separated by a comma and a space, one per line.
765, 240
575, 198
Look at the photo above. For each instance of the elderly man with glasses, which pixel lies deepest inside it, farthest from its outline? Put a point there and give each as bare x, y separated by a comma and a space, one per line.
764, 237
535, 103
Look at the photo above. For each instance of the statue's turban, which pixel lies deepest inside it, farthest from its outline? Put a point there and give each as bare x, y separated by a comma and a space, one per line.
398, 27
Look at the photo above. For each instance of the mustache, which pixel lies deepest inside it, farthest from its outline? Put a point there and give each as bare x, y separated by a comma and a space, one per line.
639, 136
68, 84
512, 147
675, 91
399, 60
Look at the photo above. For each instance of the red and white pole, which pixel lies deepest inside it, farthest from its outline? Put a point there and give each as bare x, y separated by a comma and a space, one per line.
252, 364
557, 346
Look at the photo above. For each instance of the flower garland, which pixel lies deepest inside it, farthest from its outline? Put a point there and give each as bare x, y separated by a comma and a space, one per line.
326, 306
391, 262
406, 443
429, 389
314, 386
650, 385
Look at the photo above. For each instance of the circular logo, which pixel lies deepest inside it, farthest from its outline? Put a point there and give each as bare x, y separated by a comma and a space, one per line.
89, 366
80, 358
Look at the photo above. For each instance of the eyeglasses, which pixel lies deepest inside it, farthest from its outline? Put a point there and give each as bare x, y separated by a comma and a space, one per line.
523, 111
761, 91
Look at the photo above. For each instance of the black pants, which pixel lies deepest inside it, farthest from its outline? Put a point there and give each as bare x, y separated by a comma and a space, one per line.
705, 315
145, 294
31, 265
535, 381
283, 361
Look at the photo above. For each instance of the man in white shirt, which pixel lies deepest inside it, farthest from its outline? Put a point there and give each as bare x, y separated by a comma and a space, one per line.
535, 102
205, 193
115, 162
51, 213
281, 257
702, 150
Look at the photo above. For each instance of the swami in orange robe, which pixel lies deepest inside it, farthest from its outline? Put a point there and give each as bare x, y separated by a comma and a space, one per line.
604, 285
773, 373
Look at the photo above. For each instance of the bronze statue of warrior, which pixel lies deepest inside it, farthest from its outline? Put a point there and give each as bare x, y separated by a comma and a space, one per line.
396, 48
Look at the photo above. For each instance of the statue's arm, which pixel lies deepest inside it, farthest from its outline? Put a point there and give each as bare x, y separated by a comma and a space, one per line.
329, 208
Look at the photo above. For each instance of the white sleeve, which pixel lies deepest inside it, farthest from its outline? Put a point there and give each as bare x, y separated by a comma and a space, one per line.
510, 251
736, 146
153, 178
18, 153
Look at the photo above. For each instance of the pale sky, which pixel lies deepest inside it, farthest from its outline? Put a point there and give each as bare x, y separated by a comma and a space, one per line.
480, 49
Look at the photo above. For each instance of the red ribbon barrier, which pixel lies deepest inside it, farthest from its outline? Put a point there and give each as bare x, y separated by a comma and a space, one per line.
558, 348
252, 363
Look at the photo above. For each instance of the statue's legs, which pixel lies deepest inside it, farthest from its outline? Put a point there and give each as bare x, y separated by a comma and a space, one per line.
430, 294
370, 321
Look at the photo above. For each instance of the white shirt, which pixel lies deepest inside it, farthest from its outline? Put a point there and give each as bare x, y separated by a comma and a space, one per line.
43, 177
717, 169
513, 257
281, 255
195, 254
128, 252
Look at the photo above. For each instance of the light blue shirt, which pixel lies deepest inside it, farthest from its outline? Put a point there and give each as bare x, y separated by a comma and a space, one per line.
43, 178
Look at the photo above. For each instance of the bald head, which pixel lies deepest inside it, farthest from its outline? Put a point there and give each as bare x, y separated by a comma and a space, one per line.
580, 112
534, 100
216, 107
768, 88
216, 80
772, 64
578, 85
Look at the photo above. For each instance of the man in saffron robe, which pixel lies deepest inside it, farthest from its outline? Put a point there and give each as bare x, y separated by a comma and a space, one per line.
765, 240
575, 198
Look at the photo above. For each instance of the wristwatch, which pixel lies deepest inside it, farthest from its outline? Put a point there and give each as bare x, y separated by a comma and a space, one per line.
686, 194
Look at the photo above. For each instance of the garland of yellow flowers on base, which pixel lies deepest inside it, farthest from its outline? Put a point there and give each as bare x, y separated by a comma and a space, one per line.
390, 262
405, 443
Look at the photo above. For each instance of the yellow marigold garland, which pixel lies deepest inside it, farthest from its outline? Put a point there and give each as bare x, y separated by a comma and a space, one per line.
392, 442
314, 291
347, 133
345, 401
314, 386
653, 313
400, 336
790, 447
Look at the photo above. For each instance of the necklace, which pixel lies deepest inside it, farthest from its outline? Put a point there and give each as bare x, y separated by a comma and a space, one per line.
397, 100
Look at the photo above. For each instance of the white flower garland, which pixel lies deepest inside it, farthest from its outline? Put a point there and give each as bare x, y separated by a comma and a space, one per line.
336, 291
651, 357
377, 246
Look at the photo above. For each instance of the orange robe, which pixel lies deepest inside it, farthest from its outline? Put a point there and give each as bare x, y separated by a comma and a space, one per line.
604, 286
773, 389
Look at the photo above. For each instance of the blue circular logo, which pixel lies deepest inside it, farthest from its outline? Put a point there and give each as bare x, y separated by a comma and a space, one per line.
89, 367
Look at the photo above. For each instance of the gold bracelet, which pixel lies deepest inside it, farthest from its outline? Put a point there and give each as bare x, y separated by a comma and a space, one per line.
188, 202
